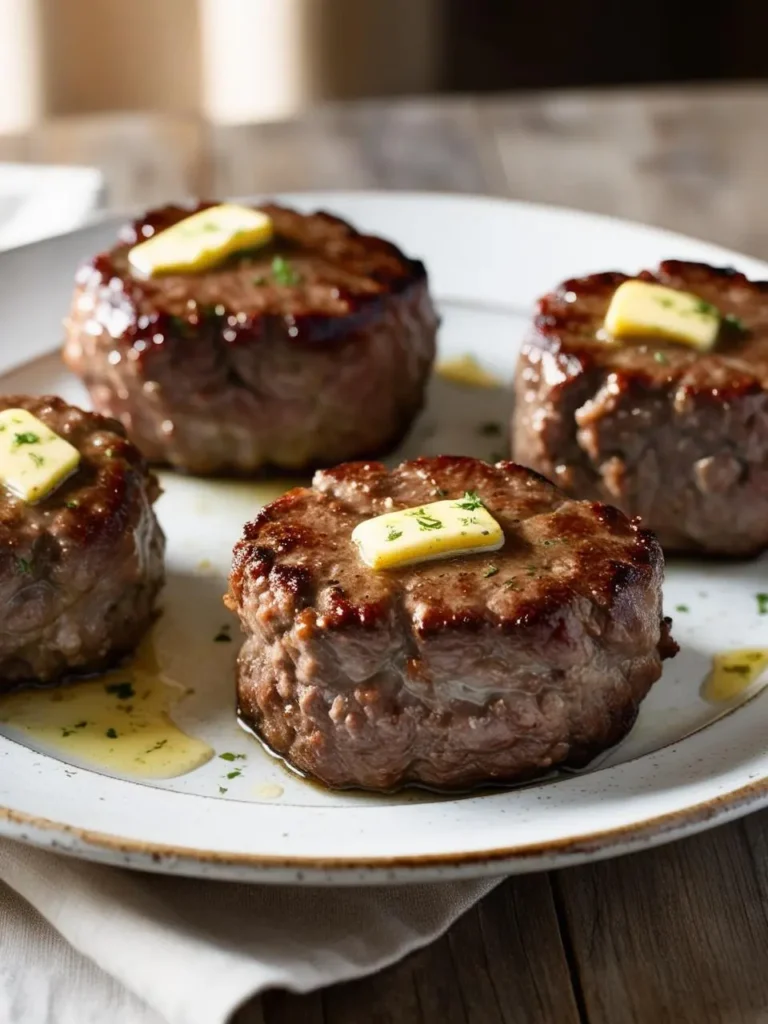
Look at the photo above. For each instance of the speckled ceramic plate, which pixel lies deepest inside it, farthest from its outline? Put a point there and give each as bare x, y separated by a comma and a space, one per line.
688, 763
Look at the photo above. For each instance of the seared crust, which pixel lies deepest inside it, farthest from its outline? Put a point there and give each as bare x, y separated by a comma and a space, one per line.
227, 371
570, 605
676, 437
81, 569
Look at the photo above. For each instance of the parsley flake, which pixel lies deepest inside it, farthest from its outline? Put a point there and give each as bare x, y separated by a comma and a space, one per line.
26, 437
235, 774
23, 565
762, 604
283, 272
112, 734
705, 308
393, 534
425, 519
682, 608
491, 571
659, 357
37, 459
223, 789
123, 691
490, 429
223, 637
735, 323
470, 501
228, 756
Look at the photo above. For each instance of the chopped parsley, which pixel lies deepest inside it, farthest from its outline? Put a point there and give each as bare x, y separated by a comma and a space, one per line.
182, 326
23, 565
37, 459
112, 734
491, 571
393, 534
469, 520
123, 691
283, 272
511, 585
665, 302
735, 323
490, 429
235, 774
425, 519
223, 637
682, 608
223, 789
228, 756
659, 357
26, 437
705, 308
470, 501
762, 604
73, 504
80, 725
158, 746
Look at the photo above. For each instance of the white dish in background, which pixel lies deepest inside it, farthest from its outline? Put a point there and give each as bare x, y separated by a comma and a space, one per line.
40, 200
686, 765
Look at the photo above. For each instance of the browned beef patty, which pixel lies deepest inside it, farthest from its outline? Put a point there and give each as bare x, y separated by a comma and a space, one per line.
226, 371
676, 437
81, 569
480, 668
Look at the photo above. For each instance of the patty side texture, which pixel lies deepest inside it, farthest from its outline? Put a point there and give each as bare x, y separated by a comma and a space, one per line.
482, 668
80, 570
241, 367
676, 437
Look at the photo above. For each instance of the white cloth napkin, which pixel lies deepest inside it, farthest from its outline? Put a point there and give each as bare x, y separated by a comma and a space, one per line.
107, 944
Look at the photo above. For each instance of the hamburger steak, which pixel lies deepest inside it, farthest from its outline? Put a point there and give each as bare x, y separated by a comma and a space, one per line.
310, 350
481, 668
80, 569
675, 436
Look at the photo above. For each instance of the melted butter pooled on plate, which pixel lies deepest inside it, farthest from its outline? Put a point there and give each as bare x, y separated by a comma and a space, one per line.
119, 721
466, 370
733, 673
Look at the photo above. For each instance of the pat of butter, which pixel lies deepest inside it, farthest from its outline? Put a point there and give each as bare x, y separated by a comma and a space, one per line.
33, 459
202, 240
642, 309
439, 530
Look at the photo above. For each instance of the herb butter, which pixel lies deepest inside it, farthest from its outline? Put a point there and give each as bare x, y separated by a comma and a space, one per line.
201, 241
438, 530
640, 309
33, 459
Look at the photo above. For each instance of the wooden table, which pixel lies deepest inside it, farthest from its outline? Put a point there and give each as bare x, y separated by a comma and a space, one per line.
676, 935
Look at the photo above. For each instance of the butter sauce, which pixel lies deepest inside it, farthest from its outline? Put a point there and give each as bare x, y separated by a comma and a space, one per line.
733, 673
467, 371
119, 721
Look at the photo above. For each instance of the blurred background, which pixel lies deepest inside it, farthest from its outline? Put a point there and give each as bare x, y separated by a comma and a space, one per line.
236, 61
655, 112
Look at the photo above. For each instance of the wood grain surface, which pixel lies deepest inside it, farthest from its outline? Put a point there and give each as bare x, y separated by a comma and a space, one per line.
679, 934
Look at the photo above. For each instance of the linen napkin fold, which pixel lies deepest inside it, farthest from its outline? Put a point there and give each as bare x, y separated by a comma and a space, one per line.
154, 949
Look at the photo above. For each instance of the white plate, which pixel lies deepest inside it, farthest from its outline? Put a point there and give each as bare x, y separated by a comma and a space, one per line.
685, 766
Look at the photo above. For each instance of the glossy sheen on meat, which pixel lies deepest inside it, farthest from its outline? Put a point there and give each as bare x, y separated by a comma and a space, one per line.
79, 570
676, 437
227, 371
487, 667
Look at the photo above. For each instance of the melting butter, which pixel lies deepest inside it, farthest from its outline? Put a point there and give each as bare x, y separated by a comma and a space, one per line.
733, 673
466, 370
119, 721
